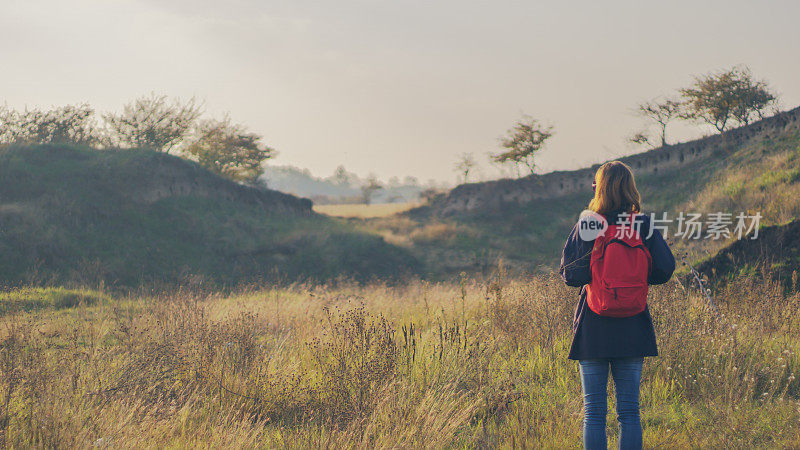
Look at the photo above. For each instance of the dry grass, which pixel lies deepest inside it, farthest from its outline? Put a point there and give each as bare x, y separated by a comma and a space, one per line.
467, 364
363, 211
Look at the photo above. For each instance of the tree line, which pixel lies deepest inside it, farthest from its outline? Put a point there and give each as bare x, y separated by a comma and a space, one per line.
157, 122
724, 99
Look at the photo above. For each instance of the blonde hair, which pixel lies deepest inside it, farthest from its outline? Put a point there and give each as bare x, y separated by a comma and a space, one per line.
615, 190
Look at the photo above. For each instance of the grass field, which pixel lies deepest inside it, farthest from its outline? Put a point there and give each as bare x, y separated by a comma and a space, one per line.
360, 210
469, 364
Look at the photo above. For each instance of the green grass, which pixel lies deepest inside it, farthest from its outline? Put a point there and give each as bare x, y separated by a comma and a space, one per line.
77, 215
67, 215
31, 299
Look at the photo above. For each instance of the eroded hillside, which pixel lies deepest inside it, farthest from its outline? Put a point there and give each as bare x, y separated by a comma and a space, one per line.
525, 221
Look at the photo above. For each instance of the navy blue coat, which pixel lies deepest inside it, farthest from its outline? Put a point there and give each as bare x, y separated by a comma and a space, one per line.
596, 336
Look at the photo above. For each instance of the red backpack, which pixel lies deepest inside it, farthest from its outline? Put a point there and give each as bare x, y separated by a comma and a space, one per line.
620, 267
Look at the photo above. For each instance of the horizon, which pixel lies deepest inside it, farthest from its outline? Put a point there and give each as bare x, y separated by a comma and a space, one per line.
398, 94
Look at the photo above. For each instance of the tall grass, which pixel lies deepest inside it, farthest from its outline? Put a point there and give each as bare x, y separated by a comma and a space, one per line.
465, 364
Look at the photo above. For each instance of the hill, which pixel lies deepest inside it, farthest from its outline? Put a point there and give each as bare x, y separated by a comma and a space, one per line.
525, 221
71, 214
775, 251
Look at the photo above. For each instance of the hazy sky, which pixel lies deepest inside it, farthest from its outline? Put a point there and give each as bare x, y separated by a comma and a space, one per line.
396, 87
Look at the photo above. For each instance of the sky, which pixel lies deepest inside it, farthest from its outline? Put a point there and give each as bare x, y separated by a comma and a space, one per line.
398, 88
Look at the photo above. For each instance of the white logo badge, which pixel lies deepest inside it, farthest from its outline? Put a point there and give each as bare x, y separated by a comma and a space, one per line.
591, 225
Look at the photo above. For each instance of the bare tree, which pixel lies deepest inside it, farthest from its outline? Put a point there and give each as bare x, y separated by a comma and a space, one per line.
369, 188
153, 122
464, 165
661, 113
230, 150
522, 143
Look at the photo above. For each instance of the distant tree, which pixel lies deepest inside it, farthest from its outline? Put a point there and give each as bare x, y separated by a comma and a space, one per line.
711, 99
370, 187
754, 97
341, 177
464, 165
73, 124
730, 96
230, 150
154, 122
640, 138
427, 195
522, 143
661, 113
410, 181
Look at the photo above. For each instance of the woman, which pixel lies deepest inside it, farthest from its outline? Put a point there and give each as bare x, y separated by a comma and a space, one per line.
602, 342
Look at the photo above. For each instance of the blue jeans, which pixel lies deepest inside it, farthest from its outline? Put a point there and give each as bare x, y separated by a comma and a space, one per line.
627, 373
